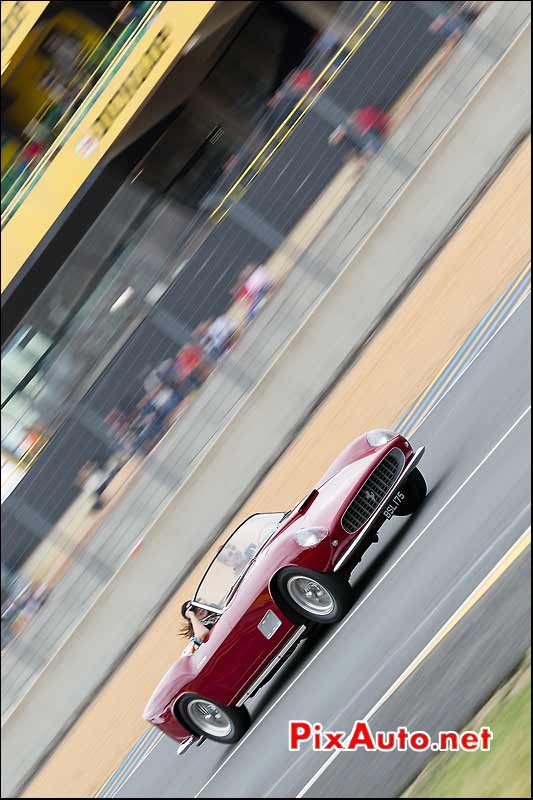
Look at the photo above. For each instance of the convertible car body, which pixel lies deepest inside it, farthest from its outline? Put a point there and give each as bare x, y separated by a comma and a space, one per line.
276, 575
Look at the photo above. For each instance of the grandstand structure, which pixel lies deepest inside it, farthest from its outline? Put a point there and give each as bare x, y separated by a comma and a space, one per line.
112, 112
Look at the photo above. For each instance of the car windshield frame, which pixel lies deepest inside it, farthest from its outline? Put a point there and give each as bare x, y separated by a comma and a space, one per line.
238, 576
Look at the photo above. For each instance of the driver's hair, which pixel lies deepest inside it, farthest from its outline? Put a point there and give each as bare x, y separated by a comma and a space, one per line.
186, 629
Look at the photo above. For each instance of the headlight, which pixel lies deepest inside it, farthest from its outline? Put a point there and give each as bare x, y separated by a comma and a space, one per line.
308, 537
379, 437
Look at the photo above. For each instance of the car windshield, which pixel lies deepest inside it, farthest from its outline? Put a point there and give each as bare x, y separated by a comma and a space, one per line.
233, 558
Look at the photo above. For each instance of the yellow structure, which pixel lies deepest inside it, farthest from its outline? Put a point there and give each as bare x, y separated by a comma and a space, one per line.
27, 71
18, 18
92, 130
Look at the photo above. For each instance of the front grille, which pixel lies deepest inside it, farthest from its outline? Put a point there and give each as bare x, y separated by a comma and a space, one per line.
372, 492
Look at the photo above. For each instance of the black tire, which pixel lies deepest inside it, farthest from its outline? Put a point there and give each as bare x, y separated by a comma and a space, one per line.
235, 720
336, 598
415, 491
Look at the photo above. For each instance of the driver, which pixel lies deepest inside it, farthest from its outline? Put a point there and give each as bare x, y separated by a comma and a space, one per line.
199, 623
231, 556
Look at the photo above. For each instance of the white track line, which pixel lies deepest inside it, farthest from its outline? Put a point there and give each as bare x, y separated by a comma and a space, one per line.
370, 593
331, 723
518, 546
417, 423
124, 781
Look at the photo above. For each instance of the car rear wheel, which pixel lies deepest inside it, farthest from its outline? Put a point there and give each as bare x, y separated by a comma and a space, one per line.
306, 595
213, 720
415, 490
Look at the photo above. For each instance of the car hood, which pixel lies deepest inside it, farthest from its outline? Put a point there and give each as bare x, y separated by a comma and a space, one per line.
333, 496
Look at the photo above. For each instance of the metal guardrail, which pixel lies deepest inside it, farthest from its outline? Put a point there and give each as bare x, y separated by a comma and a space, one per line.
254, 229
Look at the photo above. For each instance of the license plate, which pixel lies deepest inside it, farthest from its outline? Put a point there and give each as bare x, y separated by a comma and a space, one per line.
269, 624
394, 505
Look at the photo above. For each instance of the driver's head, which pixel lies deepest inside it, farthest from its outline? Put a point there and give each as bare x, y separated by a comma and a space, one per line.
200, 612
185, 607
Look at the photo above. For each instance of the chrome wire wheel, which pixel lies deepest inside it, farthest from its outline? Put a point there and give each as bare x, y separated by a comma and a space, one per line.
209, 718
310, 595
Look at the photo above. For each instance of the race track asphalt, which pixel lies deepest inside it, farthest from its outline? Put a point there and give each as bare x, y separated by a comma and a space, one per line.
477, 466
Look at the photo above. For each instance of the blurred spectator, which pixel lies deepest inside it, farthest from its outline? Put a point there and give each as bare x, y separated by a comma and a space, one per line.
453, 26
9, 616
450, 28
297, 84
63, 49
117, 424
172, 388
325, 44
134, 11
367, 129
231, 556
21, 609
111, 470
98, 476
30, 154
150, 423
37, 599
219, 336
11, 612
144, 427
53, 85
330, 51
7, 633
90, 477
256, 286
166, 399
164, 386
191, 366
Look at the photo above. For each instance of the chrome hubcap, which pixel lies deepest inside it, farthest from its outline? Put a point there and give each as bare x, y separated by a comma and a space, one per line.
310, 595
209, 718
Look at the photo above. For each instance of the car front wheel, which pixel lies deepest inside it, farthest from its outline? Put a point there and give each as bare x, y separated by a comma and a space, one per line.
215, 721
306, 595
415, 490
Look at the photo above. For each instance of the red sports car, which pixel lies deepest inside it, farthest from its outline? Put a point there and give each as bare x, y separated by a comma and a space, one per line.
276, 575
